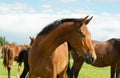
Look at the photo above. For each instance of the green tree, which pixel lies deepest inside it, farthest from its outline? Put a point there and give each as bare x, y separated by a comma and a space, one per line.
3, 41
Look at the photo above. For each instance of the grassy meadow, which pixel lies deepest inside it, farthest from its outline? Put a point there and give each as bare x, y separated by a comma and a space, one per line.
87, 71
3, 70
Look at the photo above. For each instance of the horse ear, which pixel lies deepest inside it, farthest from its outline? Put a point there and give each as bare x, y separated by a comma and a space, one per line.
88, 20
30, 37
81, 21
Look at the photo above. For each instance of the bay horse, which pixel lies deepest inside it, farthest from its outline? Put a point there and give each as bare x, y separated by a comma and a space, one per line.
48, 57
0, 51
108, 54
11, 52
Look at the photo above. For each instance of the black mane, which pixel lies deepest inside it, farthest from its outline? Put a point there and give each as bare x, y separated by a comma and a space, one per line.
55, 24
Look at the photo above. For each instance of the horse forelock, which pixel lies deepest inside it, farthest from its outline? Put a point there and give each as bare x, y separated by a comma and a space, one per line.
56, 24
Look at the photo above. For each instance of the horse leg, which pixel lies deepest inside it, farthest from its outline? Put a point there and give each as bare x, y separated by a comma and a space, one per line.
23, 75
79, 68
118, 71
76, 67
25, 71
72, 71
8, 68
18, 70
112, 71
118, 74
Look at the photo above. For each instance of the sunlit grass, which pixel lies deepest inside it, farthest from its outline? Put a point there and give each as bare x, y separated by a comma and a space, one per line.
3, 70
87, 71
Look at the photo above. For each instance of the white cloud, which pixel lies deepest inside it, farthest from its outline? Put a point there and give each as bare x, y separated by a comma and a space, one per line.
6, 8
105, 26
27, 22
21, 18
101, 26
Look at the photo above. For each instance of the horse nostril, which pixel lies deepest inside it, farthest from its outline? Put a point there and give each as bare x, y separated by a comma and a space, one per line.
92, 59
89, 59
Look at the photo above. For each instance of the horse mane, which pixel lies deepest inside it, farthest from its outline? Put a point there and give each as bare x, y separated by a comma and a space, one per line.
56, 24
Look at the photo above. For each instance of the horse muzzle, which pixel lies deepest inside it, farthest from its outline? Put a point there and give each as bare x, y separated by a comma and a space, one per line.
89, 59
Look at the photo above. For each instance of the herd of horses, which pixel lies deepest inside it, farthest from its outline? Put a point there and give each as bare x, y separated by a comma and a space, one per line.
47, 56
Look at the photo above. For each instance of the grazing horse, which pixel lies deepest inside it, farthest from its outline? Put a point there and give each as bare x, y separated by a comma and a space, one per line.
108, 54
0, 51
48, 57
11, 52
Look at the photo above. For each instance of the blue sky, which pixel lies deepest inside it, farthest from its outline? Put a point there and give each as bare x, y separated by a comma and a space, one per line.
23, 18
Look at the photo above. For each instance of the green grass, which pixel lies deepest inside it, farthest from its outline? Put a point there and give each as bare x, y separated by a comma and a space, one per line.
3, 70
87, 71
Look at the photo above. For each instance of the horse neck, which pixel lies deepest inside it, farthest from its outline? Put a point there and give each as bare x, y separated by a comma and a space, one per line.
52, 40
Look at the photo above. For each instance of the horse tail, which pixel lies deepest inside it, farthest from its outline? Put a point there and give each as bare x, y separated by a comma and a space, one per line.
5, 60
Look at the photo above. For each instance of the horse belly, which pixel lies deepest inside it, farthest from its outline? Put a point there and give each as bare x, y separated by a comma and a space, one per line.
102, 62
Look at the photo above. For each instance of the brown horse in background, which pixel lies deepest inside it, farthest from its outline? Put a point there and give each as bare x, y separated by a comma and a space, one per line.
11, 52
48, 57
108, 54
0, 51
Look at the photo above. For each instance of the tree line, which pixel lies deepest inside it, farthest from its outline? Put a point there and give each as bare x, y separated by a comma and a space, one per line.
3, 41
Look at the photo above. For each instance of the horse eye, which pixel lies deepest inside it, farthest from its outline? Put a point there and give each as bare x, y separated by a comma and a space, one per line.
81, 24
82, 35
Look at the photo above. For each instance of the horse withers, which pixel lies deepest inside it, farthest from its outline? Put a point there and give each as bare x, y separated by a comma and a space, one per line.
48, 57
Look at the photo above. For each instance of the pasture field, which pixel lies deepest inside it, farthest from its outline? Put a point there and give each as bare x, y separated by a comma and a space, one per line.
87, 71
3, 70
